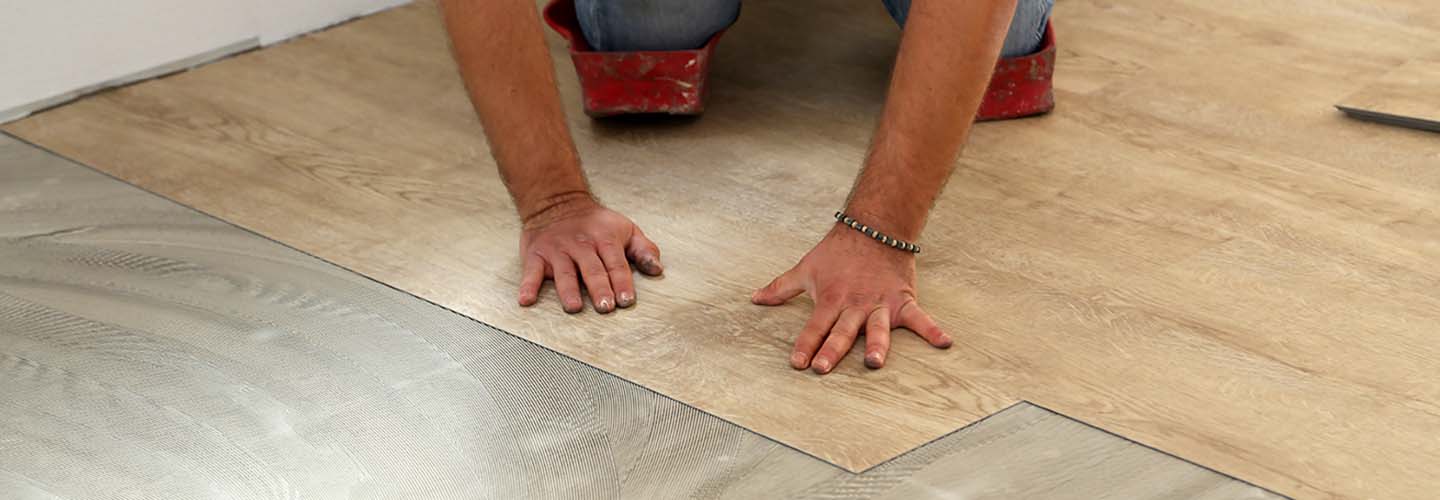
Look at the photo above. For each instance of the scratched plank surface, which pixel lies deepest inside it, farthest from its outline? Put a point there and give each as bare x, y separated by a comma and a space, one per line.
148, 351
1410, 92
1189, 251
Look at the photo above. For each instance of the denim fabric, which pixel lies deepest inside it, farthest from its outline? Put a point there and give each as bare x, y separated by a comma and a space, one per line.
626, 25
1027, 27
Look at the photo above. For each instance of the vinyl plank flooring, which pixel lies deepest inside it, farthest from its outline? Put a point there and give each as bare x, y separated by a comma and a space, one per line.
1224, 270
148, 351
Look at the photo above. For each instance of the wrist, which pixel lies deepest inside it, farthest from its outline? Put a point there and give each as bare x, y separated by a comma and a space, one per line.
894, 221
557, 206
870, 245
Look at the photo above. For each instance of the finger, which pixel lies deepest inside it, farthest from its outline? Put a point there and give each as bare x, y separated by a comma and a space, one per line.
782, 289
567, 282
597, 279
644, 254
877, 338
531, 277
912, 317
811, 336
619, 269
840, 340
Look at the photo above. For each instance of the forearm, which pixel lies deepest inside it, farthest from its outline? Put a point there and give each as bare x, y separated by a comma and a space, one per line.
501, 53
946, 57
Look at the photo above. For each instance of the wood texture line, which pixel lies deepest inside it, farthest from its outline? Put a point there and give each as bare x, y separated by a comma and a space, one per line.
1194, 250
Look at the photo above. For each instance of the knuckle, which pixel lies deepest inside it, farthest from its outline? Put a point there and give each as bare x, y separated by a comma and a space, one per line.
861, 300
545, 250
852, 298
908, 306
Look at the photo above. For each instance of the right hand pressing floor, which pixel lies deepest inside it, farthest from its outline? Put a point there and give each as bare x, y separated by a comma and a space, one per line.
584, 242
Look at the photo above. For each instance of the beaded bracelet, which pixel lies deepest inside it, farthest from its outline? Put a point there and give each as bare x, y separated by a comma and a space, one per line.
871, 232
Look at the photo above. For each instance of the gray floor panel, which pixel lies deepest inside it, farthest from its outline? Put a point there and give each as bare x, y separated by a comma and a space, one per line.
149, 351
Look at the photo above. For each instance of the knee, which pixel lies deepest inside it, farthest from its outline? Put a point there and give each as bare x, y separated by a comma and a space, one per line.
1027, 28
628, 25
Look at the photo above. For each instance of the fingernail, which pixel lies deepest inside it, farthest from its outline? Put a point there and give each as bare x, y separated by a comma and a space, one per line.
572, 308
945, 341
653, 266
627, 299
874, 360
822, 366
797, 360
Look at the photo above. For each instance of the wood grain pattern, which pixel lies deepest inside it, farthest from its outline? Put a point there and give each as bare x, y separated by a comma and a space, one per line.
147, 351
1411, 92
1210, 262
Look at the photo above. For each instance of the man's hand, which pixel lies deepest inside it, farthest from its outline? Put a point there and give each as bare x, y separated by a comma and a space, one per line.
947, 53
857, 283
582, 241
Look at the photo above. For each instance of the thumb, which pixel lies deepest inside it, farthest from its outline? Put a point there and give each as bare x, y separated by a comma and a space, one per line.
644, 253
784, 288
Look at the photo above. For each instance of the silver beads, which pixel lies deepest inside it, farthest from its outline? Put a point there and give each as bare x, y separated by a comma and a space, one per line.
877, 235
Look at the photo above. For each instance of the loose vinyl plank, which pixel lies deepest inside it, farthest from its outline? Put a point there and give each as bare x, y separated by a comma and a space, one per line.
1409, 96
148, 351
1208, 262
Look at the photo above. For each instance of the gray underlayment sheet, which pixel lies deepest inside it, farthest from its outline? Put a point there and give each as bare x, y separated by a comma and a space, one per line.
148, 351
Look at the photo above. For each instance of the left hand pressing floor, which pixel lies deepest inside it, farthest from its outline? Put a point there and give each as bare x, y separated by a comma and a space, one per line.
858, 285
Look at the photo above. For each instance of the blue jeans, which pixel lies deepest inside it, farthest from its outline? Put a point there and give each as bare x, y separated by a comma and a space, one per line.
626, 25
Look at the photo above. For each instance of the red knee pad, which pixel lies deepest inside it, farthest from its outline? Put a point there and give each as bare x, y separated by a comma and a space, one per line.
675, 81
1022, 86
615, 83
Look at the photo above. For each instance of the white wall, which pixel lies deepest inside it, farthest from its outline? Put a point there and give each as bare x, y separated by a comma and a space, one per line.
278, 20
55, 50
